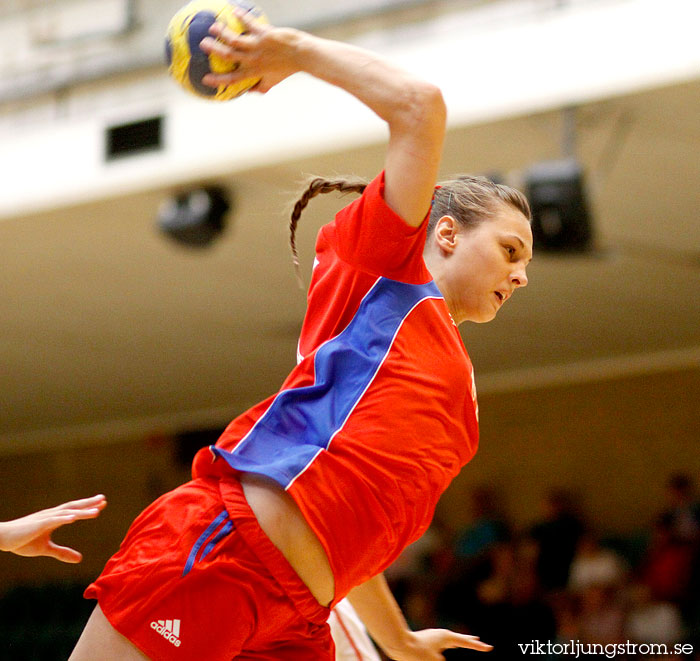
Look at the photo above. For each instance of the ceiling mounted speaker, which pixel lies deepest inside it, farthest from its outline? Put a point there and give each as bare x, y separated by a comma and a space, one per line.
560, 218
195, 218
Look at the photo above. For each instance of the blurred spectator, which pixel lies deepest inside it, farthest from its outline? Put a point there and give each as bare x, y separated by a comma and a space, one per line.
497, 588
487, 527
650, 621
415, 558
602, 615
682, 512
471, 558
556, 536
566, 611
595, 565
667, 567
415, 576
671, 567
511, 607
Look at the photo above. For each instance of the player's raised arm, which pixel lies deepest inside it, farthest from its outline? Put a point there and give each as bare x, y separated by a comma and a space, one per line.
413, 108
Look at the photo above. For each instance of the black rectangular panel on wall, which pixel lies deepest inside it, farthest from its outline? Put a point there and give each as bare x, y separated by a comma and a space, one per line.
134, 138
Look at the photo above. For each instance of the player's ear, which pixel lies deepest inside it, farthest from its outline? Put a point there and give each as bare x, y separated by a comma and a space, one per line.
445, 234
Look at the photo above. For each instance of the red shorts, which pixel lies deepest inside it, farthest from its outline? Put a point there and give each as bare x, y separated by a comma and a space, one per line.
196, 581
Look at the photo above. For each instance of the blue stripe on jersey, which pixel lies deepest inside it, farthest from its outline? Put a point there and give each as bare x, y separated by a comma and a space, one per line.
301, 422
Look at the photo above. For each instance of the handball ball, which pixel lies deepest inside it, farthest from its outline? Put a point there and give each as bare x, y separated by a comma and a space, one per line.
188, 64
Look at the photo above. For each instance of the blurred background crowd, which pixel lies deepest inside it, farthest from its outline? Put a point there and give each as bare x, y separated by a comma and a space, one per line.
560, 580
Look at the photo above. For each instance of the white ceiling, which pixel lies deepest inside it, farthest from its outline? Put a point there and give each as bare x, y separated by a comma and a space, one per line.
109, 328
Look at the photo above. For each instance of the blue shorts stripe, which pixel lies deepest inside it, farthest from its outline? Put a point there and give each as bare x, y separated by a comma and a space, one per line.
301, 422
191, 558
225, 530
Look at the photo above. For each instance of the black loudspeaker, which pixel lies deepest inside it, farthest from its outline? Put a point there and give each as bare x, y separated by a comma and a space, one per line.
560, 218
194, 218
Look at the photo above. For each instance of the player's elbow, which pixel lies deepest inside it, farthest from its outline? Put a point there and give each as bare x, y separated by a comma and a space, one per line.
433, 102
423, 108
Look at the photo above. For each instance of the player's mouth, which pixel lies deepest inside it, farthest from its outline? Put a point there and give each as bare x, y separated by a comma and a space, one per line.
502, 296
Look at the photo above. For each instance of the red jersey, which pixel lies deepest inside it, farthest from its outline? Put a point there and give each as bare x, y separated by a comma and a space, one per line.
380, 413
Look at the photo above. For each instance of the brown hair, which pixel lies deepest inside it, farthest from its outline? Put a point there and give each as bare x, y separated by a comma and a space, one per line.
316, 187
471, 199
466, 198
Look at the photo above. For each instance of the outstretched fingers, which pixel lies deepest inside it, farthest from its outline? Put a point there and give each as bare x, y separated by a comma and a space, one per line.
453, 640
429, 644
85, 508
62, 553
98, 502
31, 535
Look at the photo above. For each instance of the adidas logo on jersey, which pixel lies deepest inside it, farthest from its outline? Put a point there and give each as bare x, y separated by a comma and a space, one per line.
169, 629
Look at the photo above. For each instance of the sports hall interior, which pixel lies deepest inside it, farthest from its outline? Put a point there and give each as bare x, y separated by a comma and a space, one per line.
123, 350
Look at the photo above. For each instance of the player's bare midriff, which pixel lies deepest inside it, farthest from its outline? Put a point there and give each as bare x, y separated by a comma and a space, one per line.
282, 521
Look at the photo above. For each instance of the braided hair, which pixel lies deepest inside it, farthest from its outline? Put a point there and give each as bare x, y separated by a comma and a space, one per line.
316, 187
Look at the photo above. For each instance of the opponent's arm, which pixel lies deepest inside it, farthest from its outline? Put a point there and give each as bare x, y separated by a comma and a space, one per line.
413, 109
378, 610
31, 535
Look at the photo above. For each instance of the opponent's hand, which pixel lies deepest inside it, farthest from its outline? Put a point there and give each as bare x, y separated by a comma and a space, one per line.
31, 535
263, 52
428, 645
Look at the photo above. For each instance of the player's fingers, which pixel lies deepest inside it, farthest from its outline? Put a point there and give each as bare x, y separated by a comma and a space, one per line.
48, 525
462, 640
224, 34
64, 517
248, 21
223, 52
84, 503
63, 553
260, 87
212, 46
57, 520
83, 513
217, 79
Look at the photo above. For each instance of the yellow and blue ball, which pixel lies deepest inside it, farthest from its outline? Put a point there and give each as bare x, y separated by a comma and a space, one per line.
188, 64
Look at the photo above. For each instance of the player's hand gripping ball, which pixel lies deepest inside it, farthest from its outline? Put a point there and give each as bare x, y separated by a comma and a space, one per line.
188, 64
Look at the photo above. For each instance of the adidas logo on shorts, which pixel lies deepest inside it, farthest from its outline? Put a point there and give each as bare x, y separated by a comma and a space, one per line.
169, 629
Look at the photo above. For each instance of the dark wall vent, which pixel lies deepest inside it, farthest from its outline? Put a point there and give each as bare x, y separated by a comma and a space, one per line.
134, 138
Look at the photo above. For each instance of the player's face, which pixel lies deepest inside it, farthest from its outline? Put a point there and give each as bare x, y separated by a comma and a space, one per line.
487, 265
